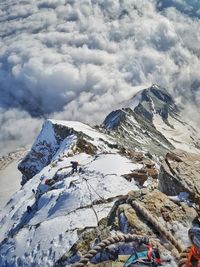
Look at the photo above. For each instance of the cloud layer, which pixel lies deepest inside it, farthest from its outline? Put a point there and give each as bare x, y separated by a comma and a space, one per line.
79, 59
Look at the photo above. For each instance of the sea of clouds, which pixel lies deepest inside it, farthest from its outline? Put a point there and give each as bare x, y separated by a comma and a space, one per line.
79, 59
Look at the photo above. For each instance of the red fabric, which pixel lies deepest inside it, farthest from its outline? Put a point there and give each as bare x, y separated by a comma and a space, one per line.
150, 252
194, 253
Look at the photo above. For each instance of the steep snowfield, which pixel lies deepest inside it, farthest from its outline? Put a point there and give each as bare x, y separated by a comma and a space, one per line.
180, 134
42, 236
62, 203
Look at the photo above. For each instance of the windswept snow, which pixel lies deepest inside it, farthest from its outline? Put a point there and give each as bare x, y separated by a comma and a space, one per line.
181, 135
59, 211
135, 100
81, 127
113, 164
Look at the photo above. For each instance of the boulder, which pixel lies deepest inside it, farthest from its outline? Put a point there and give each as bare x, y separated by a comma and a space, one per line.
180, 172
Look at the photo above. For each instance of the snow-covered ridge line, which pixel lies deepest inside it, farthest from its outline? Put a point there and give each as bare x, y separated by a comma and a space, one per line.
56, 137
57, 204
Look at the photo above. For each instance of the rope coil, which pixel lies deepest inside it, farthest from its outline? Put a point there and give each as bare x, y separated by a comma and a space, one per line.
129, 237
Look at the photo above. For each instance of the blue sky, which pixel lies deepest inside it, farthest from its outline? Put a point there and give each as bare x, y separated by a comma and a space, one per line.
188, 7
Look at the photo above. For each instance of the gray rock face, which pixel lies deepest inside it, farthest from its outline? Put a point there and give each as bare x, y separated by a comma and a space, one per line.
180, 172
135, 122
44, 149
156, 100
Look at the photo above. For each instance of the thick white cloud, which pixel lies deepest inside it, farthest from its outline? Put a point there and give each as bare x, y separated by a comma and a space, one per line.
17, 128
79, 59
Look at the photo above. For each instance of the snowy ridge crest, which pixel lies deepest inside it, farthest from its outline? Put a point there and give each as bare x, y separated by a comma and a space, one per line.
60, 212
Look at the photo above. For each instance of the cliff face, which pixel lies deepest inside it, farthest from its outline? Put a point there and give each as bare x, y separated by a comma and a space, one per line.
119, 162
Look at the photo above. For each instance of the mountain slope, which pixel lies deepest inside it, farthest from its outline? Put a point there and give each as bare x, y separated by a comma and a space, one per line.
152, 120
58, 214
68, 200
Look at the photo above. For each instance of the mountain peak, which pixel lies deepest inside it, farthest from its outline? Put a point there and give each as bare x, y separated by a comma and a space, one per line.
114, 164
153, 100
146, 103
153, 119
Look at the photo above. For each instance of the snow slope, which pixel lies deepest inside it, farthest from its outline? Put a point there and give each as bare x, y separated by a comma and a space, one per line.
59, 210
152, 119
180, 134
63, 204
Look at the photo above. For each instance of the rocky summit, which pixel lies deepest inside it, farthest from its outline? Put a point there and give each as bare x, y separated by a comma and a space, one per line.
91, 196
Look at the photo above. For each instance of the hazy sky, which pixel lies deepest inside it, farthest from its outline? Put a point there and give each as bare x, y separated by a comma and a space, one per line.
78, 59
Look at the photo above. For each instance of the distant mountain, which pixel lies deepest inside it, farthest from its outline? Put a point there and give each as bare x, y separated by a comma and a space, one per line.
59, 214
152, 120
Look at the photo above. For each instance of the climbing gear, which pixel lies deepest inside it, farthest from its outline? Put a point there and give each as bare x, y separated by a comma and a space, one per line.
107, 242
128, 238
194, 253
194, 235
190, 256
151, 257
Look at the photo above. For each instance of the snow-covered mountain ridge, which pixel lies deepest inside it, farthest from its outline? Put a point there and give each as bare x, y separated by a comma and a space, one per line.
153, 120
68, 212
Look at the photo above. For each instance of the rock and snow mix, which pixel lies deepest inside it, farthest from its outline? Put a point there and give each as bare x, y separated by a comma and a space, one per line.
44, 219
59, 210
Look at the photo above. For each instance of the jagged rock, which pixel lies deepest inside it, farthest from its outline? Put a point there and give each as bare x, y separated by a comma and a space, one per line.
85, 146
137, 156
44, 148
140, 176
53, 136
160, 206
180, 172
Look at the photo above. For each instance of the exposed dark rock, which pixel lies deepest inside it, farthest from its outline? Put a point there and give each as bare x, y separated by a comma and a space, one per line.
85, 146
180, 172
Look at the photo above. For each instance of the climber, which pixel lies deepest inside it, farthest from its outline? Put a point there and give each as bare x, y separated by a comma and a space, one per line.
150, 257
191, 256
47, 182
29, 209
74, 165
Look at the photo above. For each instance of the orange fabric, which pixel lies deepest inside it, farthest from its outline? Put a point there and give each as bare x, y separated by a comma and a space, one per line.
193, 253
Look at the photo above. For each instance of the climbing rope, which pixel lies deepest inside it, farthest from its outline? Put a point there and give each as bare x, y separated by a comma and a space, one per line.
154, 221
107, 242
130, 237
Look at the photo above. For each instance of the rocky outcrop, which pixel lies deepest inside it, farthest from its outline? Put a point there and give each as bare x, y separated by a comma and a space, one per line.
54, 137
159, 205
127, 218
180, 172
141, 175
43, 150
